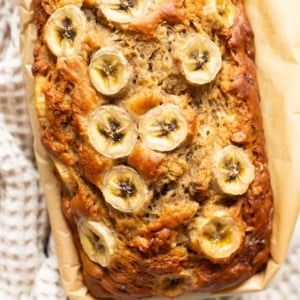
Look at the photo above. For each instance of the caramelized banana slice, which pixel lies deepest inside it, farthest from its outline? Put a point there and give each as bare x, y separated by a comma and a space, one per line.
123, 11
223, 10
65, 174
124, 189
163, 128
97, 241
109, 71
65, 31
217, 237
112, 132
233, 170
200, 60
174, 285
220, 237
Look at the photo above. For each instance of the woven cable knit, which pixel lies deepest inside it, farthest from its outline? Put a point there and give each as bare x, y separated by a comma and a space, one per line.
28, 265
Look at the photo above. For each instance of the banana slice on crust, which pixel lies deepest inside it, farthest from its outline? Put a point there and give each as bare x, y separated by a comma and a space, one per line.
97, 241
65, 31
65, 174
224, 10
163, 128
123, 11
174, 285
201, 60
124, 189
218, 237
112, 131
40, 101
233, 170
109, 71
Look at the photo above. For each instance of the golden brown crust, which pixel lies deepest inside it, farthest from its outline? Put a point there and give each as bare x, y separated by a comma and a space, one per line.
146, 161
155, 252
169, 11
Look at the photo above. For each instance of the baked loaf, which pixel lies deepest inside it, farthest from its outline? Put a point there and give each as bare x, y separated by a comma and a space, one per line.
150, 113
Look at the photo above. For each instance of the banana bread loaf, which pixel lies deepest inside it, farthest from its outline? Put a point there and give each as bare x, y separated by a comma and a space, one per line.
150, 113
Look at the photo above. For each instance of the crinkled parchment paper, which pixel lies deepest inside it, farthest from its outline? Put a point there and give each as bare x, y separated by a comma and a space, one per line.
278, 68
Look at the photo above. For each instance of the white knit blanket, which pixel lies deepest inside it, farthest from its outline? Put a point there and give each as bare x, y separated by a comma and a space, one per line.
28, 264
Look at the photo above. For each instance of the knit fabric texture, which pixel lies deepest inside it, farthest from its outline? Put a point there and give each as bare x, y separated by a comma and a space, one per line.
28, 264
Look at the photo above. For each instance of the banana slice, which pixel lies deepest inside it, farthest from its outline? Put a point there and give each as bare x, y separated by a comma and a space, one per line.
109, 71
226, 10
40, 101
65, 31
220, 237
233, 170
172, 286
223, 9
124, 189
123, 11
201, 60
97, 241
65, 174
163, 128
112, 132
40, 104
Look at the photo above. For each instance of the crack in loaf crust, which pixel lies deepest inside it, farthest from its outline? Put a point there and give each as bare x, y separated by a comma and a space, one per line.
158, 249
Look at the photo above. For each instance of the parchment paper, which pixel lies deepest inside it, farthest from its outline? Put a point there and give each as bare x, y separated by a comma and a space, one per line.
276, 28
